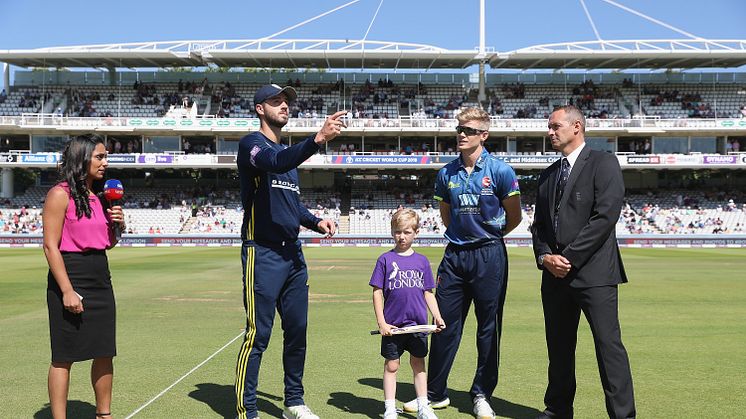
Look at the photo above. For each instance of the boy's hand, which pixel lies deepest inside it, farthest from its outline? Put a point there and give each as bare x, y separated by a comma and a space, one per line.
440, 323
385, 329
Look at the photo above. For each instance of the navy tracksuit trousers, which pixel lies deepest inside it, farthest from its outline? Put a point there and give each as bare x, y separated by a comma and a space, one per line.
274, 278
466, 274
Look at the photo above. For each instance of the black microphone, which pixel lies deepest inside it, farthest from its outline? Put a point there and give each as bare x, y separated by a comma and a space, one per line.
113, 192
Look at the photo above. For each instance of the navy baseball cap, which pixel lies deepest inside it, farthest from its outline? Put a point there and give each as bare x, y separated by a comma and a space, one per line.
271, 90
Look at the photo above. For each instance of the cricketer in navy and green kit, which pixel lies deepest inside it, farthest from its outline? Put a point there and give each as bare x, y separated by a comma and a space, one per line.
479, 203
275, 276
477, 214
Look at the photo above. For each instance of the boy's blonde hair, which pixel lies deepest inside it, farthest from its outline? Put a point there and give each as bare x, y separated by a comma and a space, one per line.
405, 217
474, 114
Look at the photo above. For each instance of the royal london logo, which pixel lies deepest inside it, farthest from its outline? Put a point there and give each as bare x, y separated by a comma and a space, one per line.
453, 185
409, 278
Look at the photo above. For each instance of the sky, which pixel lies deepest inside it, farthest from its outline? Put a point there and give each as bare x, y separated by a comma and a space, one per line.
510, 24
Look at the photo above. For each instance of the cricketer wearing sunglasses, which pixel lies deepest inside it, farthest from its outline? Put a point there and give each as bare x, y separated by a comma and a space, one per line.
479, 204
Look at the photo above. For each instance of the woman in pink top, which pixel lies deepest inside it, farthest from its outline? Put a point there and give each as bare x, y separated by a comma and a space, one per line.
78, 229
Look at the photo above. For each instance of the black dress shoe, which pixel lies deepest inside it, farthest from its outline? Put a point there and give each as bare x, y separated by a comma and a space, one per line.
550, 415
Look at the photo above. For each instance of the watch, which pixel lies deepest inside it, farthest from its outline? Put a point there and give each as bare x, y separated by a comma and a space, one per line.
540, 259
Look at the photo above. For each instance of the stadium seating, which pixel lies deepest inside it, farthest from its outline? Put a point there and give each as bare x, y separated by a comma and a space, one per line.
529, 101
168, 210
20, 221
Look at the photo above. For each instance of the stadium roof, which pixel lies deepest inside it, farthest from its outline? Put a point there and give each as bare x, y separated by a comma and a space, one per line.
644, 54
321, 53
288, 53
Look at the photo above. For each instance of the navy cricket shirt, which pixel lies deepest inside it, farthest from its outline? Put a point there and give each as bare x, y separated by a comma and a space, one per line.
270, 192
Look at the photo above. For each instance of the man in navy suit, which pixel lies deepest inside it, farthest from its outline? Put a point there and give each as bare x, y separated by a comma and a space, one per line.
578, 203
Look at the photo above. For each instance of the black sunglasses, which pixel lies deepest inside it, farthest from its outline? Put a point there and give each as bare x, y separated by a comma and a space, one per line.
469, 131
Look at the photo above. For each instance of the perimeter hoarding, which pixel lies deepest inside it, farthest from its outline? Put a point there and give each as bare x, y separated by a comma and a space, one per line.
370, 161
144, 240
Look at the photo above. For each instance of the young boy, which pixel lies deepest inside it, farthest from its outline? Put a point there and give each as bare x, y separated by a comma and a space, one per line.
402, 284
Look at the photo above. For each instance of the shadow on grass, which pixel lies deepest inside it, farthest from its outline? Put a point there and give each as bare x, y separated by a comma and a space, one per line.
222, 400
75, 409
460, 400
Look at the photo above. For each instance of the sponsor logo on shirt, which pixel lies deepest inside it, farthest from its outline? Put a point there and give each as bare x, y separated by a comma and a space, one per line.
486, 182
283, 184
453, 185
252, 154
409, 278
468, 199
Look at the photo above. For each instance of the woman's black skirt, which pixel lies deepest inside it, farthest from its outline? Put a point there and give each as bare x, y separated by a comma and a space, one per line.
92, 333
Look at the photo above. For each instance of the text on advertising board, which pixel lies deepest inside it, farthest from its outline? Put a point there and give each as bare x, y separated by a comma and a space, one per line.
720, 159
39, 158
643, 159
155, 158
381, 160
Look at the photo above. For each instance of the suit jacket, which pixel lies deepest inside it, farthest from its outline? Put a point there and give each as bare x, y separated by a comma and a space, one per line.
588, 213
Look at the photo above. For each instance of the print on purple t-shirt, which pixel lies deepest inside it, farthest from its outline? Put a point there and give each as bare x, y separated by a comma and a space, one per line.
403, 279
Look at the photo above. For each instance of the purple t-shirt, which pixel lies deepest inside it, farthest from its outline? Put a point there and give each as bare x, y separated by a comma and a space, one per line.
403, 279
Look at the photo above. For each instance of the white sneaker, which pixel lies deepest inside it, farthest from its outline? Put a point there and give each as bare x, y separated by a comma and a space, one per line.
426, 413
482, 408
391, 414
298, 412
412, 406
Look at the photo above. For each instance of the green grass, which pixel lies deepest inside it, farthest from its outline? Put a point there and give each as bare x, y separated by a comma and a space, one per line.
683, 321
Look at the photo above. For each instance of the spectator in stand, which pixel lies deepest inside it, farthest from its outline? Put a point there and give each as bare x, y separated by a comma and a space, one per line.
646, 147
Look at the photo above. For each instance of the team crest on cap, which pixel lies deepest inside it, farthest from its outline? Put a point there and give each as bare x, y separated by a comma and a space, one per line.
486, 182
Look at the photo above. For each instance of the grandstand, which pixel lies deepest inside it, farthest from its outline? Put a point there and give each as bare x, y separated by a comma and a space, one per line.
381, 112
600, 97
168, 211
172, 135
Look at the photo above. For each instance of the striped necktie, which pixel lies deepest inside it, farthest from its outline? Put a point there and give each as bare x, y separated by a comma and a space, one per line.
564, 174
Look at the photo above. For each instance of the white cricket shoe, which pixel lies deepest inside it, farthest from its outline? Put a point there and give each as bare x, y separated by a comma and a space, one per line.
412, 406
391, 414
426, 413
298, 412
482, 408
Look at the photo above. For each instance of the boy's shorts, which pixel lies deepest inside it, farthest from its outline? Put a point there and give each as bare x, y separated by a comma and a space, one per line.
392, 347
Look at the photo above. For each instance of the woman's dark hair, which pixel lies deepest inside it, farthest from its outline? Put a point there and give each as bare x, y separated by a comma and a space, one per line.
74, 167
